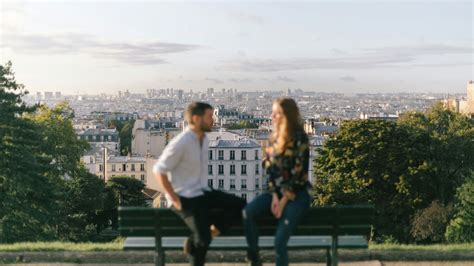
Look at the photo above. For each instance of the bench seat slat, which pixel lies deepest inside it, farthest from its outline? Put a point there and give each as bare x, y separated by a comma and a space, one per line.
239, 242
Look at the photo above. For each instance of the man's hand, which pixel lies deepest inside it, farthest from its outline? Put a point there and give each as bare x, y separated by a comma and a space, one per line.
281, 207
176, 203
275, 204
165, 185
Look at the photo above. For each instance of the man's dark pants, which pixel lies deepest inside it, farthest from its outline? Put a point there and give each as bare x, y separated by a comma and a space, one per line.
195, 213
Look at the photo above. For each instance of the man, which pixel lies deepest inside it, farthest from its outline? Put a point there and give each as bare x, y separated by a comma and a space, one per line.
182, 174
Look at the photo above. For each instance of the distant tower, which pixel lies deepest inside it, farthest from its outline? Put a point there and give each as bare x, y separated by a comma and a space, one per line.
470, 91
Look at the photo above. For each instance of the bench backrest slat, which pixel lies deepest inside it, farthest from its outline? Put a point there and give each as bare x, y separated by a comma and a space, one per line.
345, 220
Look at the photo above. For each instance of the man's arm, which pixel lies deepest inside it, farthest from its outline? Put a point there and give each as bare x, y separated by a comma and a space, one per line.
165, 184
169, 160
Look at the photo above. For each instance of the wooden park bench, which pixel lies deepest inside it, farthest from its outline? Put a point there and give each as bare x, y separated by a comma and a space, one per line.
327, 228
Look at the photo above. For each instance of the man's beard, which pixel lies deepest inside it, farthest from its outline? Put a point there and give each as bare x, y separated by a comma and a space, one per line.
205, 128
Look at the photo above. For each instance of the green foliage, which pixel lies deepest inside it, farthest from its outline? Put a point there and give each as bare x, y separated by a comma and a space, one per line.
368, 162
28, 194
125, 134
82, 207
45, 193
461, 227
429, 224
401, 167
242, 125
449, 152
59, 138
127, 191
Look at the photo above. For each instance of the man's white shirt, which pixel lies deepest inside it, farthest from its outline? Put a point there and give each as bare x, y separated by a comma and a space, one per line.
185, 162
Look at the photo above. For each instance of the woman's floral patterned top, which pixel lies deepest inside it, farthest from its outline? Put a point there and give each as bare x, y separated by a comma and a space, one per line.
288, 171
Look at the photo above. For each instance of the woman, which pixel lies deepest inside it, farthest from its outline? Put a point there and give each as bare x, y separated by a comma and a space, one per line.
286, 168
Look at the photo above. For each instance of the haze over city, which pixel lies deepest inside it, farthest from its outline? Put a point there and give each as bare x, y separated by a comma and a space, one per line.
349, 47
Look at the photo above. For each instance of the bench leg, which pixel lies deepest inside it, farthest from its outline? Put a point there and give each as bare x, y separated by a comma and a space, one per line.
328, 256
160, 258
334, 256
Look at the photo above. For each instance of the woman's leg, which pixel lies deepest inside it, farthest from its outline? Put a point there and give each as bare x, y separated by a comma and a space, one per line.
260, 206
287, 224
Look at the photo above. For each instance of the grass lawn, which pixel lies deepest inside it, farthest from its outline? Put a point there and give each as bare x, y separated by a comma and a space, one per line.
432, 247
118, 244
62, 246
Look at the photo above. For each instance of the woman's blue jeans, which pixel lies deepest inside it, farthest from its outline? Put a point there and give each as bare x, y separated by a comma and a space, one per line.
292, 214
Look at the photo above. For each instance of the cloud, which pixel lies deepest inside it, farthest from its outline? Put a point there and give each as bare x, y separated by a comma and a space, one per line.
428, 49
214, 80
338, 51
240, 80
285, 79
348, 79
12, 15
138, 53
370, 58
247, 18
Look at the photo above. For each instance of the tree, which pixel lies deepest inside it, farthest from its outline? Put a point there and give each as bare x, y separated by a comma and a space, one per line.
461, 227
377, 162
429, 224
82, 196
399, 167
127, 191
28, 195
121, 191
449, 152
59, 138
125, 134
242, 125
82, 207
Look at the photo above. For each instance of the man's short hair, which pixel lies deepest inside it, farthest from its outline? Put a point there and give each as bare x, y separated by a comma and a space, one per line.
196, 108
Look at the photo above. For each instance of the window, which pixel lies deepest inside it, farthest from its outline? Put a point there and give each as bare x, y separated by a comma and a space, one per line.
133, 167
100, 167
256, 154
244, 196
163, 203
209, 169
210, 155
209, 183
243, 169
243, 184
232, 155
221, 169
142, 178
142, 167
221, 155
91, 160
257, 185
232, 169
221, 183
113, 168
257, 166
232, 184
124, 167
243, 156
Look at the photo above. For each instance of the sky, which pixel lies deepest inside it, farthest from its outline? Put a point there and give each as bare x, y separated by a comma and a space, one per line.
325, 46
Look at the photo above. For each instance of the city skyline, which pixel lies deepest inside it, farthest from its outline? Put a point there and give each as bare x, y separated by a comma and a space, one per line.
347, 47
